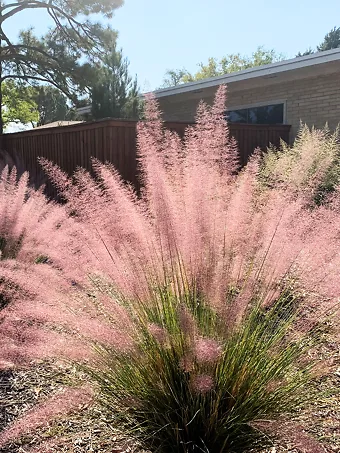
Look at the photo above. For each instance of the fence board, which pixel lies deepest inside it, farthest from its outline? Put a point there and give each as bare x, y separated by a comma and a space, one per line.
112, 140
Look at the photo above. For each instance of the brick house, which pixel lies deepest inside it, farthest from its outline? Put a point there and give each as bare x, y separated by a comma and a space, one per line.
303, 89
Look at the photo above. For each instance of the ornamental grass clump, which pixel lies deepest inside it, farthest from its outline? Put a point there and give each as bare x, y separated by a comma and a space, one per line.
212, 273
311, 165
204, 293
35, 275
191, 385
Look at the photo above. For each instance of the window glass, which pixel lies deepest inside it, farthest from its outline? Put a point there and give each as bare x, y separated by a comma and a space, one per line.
238, 116
266, 114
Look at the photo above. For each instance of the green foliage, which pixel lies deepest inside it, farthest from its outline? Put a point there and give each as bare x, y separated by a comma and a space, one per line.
114, 94
52, 105
41, 259
228, 64
64, 62
65, 55
18, 104
254, 376
309, 51
311, 165
175, 77
331, 40
35, 105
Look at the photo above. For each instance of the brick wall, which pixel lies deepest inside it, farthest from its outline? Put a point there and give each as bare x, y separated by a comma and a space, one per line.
314, 101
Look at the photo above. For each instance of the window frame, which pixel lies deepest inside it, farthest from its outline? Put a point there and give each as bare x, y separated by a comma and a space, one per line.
263, 104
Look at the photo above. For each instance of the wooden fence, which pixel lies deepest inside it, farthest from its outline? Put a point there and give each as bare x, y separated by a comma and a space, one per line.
112, 140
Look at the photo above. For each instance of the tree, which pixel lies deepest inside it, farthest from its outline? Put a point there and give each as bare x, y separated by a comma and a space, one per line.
175, 77
34, 105
52, 105
58, 57
19, 105
114, 93
331, 40
309, 51
228, 64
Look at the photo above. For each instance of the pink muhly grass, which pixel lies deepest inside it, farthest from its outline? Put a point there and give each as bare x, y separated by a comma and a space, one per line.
197, 227
36, 343
203, 383
112, 227
59, 405
187, 363
27, 220
158, 192
198, 224
44, 317
43, 294
148, 237
31, 329
36, 239
158, 333
207, 350
187, 323
204, 253
35, 328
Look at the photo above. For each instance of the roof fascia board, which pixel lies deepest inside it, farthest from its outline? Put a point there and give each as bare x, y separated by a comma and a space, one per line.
258, 71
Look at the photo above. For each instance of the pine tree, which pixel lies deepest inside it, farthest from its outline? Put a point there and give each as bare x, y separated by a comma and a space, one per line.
114, 93
331, 40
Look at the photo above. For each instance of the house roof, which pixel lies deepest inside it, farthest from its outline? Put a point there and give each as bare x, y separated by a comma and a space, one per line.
306, 66
58, 124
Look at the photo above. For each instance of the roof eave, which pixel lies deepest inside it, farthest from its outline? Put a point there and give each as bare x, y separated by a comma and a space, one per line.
259, 71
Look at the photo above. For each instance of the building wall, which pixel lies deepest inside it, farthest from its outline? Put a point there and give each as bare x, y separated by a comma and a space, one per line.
314, 101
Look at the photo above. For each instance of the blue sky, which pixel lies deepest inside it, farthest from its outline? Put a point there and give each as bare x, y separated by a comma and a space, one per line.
158, 35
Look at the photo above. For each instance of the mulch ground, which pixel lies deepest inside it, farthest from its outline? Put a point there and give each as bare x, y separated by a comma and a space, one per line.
316, 429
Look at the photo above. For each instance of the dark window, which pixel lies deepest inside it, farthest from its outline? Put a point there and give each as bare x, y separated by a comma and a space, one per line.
238, 116
266, 114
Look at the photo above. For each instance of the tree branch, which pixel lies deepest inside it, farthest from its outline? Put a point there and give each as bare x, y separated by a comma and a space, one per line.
12, 5
52, 9
17, 7
14, 47
21, 7
38, 78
